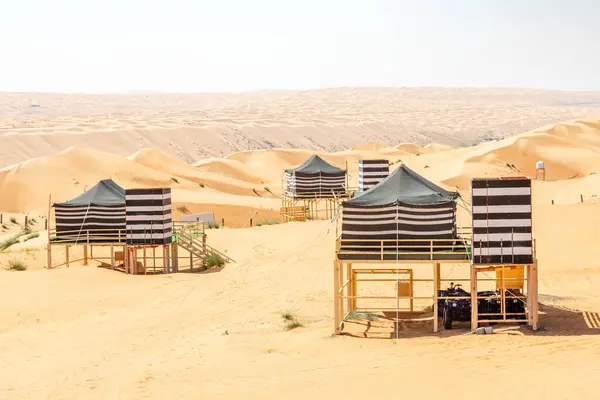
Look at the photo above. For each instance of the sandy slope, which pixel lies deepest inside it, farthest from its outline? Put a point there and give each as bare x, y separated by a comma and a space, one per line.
196, 126
88, 332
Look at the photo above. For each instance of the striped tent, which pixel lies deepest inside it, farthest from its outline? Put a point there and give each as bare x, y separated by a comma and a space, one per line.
402, 206
371, 172
148, 215
99, 213
502, 221
315, 178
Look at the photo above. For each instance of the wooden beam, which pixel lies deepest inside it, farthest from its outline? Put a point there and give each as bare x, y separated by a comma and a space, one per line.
175, 252
336, 287
534, 300
145, 265
474, 308
349, 286
85, 254
112, 256
436, 287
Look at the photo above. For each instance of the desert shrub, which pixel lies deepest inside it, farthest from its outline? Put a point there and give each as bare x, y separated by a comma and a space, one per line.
4, 227
354, 315
13, 220
31, 236
183, 209
201, 185
9, 242
268, 190
290, 320
268, 222
175, 179
212, 259
255, 192
212, 225
16, 265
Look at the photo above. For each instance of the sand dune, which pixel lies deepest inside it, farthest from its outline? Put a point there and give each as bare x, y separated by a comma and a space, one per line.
89, 332
196, 126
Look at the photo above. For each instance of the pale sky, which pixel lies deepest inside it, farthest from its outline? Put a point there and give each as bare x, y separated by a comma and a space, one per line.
239, 45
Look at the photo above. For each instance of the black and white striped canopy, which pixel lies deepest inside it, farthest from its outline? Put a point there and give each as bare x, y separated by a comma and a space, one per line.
98, 215
315, 178
502, 225
402, 206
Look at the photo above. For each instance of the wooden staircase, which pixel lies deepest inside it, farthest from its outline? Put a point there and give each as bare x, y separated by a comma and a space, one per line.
197, 246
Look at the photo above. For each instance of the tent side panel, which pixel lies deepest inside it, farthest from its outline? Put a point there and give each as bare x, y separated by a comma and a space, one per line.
371, 172
502, 224
100, 223
319, 185
149, 216
398, 225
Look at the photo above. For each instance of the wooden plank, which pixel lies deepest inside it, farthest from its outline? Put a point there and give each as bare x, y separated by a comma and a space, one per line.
336, 284
436, 287
474, 308
112, 257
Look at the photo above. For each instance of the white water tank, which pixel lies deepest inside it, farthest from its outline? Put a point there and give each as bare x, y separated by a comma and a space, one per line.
539, 165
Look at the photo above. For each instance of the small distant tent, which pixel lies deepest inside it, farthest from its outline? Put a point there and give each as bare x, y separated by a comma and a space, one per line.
315, 178
404, 205
100, 210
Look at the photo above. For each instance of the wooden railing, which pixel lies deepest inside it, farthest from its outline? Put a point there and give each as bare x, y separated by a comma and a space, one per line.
88, 236
117, 236
404, 249
317, 195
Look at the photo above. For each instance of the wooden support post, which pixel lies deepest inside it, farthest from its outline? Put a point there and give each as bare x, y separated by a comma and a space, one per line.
349, 293
204, 243
354, 290
436, 287
133, 269
112, 256
67, 255
175, 252
191, 260
534, 300
502, 293
336, 288
91, 251
49, 256
474, 308
168, 249
154, 260
85, 254
529, 298
145, 265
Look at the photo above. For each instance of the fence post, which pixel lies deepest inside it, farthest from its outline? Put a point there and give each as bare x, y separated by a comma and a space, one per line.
581, 197
250, 222
28, 221
223, 222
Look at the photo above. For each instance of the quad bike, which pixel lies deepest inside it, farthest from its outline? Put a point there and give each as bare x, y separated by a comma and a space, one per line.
460, 309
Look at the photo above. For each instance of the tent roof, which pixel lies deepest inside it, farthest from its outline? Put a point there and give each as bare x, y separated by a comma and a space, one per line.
403, 186
104, 193
314, 165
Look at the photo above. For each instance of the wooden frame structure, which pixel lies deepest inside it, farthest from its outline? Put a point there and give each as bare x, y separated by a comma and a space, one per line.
345, 279
294, 208
436, 254
184, 234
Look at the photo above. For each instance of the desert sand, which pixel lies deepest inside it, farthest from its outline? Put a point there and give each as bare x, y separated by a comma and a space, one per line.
93, 333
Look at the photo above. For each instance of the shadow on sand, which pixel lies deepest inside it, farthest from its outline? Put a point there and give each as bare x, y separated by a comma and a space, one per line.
554, 320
